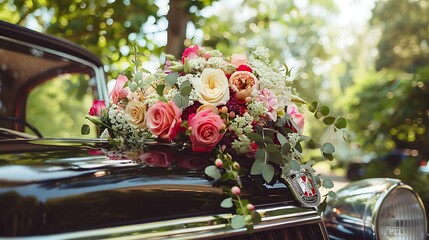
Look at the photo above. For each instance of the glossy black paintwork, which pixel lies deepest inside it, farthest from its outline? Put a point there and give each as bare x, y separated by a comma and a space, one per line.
62, 190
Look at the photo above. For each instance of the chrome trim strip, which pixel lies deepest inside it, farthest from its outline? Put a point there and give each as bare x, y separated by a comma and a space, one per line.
199, 227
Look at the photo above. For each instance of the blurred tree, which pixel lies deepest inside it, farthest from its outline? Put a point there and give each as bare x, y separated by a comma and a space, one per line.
108, 27
390, 106
404, 43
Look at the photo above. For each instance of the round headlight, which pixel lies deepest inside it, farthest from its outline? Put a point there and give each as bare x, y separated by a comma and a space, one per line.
401, 216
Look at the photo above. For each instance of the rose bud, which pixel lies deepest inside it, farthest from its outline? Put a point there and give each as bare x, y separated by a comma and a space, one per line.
218, 163
250, 207
236, 190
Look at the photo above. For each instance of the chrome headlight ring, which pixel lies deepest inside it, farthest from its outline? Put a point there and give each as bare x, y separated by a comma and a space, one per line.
376, 208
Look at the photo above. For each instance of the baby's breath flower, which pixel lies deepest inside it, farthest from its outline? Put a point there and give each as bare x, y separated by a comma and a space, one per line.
242, 144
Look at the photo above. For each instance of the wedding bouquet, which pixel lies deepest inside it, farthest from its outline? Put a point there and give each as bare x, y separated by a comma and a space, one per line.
240, 109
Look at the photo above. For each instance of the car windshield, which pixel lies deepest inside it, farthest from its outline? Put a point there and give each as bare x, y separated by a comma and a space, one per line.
43, 92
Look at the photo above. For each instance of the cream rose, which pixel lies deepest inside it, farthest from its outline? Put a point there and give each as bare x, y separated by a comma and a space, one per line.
212, 87
136, 111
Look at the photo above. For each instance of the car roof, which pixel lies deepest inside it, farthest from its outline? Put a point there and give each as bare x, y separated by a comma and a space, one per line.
20, 33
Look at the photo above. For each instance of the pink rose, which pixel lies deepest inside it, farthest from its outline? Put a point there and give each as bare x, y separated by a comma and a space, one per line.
155, 158
296, 116
163, 120
97, 107
243, 83
206, 127
190, 52
238, 59
270, 102
119, 91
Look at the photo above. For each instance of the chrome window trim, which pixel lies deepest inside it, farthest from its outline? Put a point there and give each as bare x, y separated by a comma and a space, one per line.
207, 227
98, 72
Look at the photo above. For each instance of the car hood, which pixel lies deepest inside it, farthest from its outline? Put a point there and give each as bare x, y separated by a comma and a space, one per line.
56, 186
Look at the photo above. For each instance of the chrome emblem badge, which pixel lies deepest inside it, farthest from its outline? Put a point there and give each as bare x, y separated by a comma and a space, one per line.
303, 186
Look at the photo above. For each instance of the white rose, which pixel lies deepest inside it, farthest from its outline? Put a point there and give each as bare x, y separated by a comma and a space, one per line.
136, 112
212, 87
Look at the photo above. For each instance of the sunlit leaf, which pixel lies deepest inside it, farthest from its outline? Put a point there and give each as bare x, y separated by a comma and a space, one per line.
212, 171
227, 203
341, 123
238, 221
268, 173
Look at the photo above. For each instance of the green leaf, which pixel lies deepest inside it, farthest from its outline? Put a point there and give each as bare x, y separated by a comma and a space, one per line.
255, 137
327, 183
328, 156
238, 221
294, 165
324, 110
256, 217
268, 173
260, 155
313, 106
171, 78
185, 88
313, 144
257, 167
318, 114
332, 194
160, 89
85, 129
341, 123
328, 148
212, 171
268, 133
298, 147
227, 203
275, 157
181, 101
271, 148
282, 139
94, 119
329, 120
285, 149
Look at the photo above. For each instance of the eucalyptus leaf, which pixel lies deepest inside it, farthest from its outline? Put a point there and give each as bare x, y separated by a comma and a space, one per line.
313, 144
238, 221
227, 203
181, 101
324, 110
268, 173
328, 156
285, 149
298, 147
282, 139
257, 167
327, 183
341, 123
294, 165
329, 120
255, 137
85, 129
275, 157
160, 89
268, 132
271, 148
332, 194
318, 114
328, 148
260, 154
256, 217
212, 171
185, 88
313, 106
171, 78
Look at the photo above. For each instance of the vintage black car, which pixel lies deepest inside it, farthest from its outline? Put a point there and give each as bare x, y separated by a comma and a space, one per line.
63, 187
